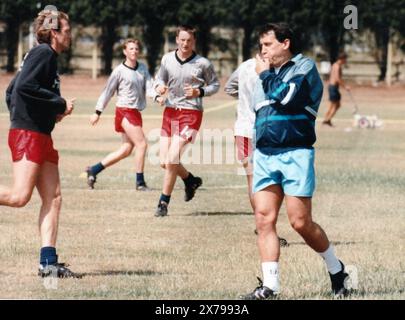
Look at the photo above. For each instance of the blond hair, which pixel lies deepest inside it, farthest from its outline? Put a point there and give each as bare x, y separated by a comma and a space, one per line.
131, 40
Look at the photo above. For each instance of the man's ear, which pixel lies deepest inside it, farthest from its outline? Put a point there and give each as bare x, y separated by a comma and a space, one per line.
287, 44
53, 33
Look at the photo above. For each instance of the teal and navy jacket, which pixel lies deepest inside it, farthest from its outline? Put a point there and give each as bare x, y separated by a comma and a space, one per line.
286, 106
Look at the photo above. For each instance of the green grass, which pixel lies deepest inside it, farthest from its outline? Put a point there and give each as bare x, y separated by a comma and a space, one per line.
206, 249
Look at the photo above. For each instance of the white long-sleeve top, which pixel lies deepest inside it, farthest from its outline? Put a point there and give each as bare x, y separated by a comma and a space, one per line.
241, 85
132, 85
196, 71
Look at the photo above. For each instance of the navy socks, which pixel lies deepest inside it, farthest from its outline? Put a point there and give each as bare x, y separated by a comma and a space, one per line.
164, 198
97, 168
140, 180
48, 256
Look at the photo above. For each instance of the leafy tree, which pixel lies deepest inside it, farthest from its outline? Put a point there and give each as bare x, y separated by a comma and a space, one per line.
108, 15
204, 15
250, 15
14, 13
153, 17
383, 17
330, 25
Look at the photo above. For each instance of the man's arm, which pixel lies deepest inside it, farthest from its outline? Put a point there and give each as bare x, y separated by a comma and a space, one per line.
232, 85
108, 92
149, 84
29, 85
162, 78
211, 80
295, 92
340, 78
9, 91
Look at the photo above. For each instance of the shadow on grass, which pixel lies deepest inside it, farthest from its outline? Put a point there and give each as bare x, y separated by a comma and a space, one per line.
360, 293
121, 273
335, 243
219, 213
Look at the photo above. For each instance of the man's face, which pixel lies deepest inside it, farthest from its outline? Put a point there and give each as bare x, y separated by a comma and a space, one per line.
132, 51
185, 42
63, 36
272, 49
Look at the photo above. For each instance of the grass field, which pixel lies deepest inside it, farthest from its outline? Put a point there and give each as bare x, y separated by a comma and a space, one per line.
206, 248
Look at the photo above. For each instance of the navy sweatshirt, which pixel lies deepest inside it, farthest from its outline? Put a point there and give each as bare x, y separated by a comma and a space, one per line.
33, 96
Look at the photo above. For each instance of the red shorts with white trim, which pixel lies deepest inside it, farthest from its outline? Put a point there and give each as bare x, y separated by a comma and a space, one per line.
133, 116
37, 147
182, 122
244, 148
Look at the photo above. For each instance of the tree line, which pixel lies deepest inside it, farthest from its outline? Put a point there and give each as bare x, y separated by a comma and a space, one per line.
318, 19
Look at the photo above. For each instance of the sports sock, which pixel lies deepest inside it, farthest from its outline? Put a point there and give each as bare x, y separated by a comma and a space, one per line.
189, 180
48, 256
164, 198
332, 263
97, 168
140, 180
270, 275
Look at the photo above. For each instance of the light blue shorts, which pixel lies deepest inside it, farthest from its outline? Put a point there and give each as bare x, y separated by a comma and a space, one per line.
292, 170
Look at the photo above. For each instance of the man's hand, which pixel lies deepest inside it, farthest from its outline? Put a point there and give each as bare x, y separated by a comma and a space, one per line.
94, 119
262, 64
59, 117
69, 106
161, 89
160, 100
68, 111
190, 92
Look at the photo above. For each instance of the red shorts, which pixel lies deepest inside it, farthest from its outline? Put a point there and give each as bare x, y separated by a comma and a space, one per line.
133, 116
244, 147
182, 122
37, 147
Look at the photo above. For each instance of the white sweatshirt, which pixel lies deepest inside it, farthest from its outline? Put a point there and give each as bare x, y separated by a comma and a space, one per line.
241, 85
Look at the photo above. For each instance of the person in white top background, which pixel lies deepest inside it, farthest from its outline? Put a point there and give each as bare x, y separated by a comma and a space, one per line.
132, 82
241, 85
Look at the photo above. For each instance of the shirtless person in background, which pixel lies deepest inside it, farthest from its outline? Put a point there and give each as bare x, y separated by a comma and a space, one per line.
335, 81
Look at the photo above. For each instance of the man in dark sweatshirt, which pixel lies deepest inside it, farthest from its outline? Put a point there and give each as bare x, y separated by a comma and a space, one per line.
35, 105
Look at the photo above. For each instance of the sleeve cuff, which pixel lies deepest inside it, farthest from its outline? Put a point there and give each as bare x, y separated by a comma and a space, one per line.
202, 92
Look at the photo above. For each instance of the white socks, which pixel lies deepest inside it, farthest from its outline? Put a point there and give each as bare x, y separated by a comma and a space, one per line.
332, 263
270, 276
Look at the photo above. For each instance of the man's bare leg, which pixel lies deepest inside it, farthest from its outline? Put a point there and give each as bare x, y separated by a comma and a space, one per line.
25, 175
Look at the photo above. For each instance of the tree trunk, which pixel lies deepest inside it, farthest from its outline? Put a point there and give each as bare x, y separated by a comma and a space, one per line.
11, 43
335, 44
382, 38
247, 42
108, 38
204, 40
153, 38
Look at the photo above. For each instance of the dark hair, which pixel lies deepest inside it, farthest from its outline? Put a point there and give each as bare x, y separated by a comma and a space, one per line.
342, 56
46, 21
282, 31
187, 28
